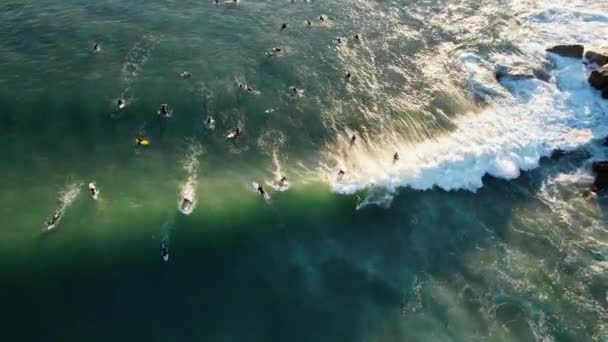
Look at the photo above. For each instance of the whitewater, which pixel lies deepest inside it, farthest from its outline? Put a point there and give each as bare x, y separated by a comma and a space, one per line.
515, 122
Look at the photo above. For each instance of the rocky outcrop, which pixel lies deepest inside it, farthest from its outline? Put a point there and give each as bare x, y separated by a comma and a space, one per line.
601, 175
522, 72
574, 50
599, 80
598, 56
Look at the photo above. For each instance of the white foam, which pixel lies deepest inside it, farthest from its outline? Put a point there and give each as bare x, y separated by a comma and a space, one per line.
524, 120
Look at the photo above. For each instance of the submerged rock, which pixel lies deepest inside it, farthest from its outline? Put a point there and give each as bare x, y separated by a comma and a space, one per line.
598, 56
601, 175
521, 72
574, 50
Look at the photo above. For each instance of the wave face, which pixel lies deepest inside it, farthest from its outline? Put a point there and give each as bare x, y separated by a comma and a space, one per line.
488, 127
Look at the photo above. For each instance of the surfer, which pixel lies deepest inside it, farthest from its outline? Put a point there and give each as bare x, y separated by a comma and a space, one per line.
121, 104
340, 174
339, 41
353, 138
295, 91
245, 87
283, 26
53, 220
274, 51
210, 122
96, 47
164, 111
347, 76
186, 203
323, 17
234, 134
282, 181
357, 37
164, 250
307, 23
261, 191
395, 157
141, 140
93, 190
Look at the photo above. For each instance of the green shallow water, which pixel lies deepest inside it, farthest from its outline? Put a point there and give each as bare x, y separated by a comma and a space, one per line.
517, 260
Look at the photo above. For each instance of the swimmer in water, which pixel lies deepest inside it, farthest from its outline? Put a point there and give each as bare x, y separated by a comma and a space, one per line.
357, 37
395, 157
307, 23
261, 191
347, 76
341, 174
121, 104
339, 41
283, 26
96, 47
353, 138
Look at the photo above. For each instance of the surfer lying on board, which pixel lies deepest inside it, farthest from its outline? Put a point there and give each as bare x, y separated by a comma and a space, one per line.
121, 104
141, 140
234, 134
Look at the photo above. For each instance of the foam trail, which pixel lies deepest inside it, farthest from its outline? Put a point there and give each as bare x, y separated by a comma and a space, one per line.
66, 198
187, 200
278, 173
134, 62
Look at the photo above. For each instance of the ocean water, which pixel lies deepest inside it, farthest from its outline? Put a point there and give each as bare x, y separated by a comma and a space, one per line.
483, 230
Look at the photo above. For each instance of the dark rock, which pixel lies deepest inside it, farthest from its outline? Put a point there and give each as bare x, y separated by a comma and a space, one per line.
522, 72
598, 56
601, 175
599, 78
574, 50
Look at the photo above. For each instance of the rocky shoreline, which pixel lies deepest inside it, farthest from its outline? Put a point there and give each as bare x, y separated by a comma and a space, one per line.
597, 58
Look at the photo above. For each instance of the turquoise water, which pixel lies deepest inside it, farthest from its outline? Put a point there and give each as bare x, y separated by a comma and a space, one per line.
482, 230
